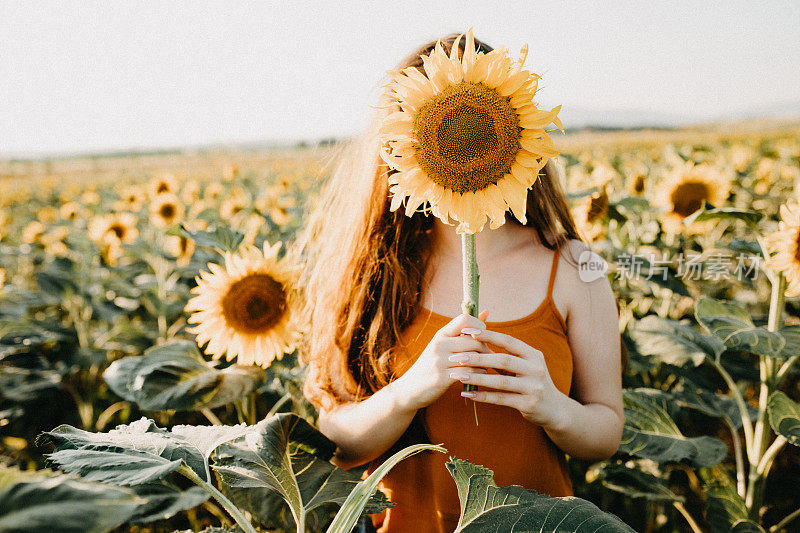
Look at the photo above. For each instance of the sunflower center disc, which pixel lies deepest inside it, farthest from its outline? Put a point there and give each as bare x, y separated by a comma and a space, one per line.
598, 206
167, 211
467, 137
688, 197
118, 230
465, 134
797, 250
254, 304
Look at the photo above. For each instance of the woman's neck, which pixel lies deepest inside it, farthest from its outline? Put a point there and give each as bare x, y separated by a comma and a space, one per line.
446, 243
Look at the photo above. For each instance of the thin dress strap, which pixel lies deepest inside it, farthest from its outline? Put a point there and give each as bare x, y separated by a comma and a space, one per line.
553, 269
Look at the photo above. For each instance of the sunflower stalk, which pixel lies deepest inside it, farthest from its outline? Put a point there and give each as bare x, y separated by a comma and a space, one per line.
470, 280
759, 466
228, 505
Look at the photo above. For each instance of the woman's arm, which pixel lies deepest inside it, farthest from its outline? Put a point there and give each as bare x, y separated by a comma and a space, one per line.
590, 425
364, 430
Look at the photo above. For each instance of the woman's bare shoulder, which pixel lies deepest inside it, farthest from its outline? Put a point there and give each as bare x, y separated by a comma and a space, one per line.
583, 278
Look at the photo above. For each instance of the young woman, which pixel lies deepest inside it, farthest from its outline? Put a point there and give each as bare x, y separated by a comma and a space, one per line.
388, 352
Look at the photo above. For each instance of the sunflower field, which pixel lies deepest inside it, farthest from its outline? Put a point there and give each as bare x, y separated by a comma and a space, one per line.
150, 379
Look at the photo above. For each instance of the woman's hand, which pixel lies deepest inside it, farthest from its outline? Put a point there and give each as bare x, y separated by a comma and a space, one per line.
429, 376
529, 389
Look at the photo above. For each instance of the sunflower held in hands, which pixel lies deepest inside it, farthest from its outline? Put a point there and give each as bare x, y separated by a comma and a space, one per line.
468, 137
247, 309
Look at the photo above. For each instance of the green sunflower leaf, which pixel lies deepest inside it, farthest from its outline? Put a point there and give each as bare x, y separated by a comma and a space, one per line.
650, 433
175, 376
487, 507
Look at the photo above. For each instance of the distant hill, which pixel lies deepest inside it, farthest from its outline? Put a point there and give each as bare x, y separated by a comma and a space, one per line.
579, 117
575, 118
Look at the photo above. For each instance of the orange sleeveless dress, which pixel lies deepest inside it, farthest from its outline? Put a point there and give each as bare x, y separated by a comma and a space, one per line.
517, 451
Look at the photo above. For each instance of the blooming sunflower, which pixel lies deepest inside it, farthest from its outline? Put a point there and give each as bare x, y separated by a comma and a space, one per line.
180, 247
591, 213
32, 232
234, 203
468, 137
131, 198
635, 177
3, 223
114, 228
213, 190
741, 155
166, 209
683, 190
190, 191
162, 183
54, 241
47, 214
90, 197
785, 243
230, 171
247, 309
70, 210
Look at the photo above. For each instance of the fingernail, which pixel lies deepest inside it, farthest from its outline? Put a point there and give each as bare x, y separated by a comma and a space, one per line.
460, 376
471, 331
466, 394
459, 358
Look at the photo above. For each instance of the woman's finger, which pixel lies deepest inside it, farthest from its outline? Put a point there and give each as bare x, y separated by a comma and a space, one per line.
463, 343
466, 373
510, 399
493, 381
501, 361
462, 321
512, 344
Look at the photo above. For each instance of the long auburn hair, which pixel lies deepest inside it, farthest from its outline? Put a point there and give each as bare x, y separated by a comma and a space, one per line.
364, 265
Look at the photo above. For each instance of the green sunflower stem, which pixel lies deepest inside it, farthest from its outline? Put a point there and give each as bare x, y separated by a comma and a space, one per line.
228, 505
777, 303
470, 280
769, 382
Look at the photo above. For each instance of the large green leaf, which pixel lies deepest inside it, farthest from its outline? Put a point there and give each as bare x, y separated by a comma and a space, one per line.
221, 237
784, 417
487, 507
713, 404
175, 376
288, 456
792, 336
635, 483
21, 336
707, 212
36, 502
132, 454
745, 525
165, 500
206, 439
725, 508
722, 318
24, 385
732, 324
650, 433
674, 342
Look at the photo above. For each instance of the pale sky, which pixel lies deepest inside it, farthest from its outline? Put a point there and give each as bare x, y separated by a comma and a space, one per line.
82, 76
